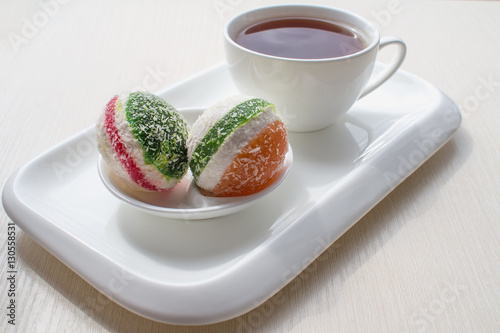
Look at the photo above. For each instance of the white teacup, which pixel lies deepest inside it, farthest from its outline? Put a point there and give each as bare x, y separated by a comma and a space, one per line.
311, 94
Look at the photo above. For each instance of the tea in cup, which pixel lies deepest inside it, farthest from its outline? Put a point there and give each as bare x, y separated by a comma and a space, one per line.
312, 62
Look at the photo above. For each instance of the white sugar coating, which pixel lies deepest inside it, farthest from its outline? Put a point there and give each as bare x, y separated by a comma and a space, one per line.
151, 174
106, 149
232, 146
208, 119
234, 143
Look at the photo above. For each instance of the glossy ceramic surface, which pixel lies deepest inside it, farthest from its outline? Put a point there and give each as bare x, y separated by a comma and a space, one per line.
185, 272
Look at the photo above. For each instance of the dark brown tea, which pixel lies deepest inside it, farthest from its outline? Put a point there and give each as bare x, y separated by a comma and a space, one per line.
300, 38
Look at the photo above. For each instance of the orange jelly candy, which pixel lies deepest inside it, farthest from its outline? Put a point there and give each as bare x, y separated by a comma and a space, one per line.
256, 166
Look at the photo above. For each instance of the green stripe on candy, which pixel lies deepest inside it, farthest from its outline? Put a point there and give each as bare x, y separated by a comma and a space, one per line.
160, 131
215, 137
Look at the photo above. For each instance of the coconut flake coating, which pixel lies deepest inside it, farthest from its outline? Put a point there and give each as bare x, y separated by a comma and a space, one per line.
254, 168
143, 140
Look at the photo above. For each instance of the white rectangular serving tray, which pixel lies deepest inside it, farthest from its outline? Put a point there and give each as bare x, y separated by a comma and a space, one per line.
200, 272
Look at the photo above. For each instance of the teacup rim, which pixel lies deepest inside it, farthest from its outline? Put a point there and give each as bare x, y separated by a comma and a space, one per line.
367, 24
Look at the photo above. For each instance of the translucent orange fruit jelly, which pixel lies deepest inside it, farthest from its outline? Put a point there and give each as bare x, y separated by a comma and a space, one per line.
256, 166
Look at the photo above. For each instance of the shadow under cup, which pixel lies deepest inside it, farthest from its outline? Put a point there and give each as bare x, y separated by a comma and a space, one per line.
310, 94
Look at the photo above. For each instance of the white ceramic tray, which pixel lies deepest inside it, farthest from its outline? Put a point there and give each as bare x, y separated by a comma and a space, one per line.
199, 272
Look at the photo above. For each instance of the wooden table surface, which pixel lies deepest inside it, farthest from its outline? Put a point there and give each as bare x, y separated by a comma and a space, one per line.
425, 259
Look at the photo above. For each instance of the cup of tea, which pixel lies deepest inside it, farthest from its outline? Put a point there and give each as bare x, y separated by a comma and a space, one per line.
312, 62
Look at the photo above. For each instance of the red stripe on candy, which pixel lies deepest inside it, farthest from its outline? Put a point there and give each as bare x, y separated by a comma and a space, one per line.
126, 160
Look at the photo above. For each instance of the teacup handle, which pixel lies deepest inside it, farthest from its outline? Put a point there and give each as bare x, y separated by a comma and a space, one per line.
391, 68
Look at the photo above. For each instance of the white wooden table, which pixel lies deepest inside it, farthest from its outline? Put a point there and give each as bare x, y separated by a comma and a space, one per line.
426, 258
